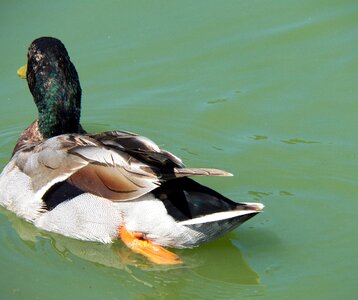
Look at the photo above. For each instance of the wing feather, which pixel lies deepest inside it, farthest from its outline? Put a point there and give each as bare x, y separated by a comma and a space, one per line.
185, 172
139, 147
118, 165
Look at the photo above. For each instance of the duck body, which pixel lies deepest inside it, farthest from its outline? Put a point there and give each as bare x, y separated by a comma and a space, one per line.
101, 187
177, 213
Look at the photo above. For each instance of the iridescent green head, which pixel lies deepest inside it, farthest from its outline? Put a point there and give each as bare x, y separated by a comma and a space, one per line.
54, 84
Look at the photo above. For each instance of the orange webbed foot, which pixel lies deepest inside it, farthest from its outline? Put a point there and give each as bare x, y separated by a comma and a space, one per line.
157, 254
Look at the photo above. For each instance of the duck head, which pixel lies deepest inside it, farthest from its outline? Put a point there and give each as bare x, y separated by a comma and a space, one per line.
53, 81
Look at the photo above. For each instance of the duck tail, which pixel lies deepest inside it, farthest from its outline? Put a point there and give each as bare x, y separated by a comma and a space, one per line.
203, 210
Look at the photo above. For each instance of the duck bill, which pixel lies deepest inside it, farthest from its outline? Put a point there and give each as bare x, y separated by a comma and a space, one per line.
21, 72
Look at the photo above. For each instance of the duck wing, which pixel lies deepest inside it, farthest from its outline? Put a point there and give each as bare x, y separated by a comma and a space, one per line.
117, 165
139, 147
165, 164
86, 164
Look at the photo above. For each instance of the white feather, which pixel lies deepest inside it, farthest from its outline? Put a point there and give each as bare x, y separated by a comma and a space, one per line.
92, 218
16, 193
217, 217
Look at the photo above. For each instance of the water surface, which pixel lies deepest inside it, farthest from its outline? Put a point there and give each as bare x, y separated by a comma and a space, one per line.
264, 89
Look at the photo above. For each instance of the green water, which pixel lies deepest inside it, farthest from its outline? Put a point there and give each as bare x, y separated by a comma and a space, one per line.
264, 89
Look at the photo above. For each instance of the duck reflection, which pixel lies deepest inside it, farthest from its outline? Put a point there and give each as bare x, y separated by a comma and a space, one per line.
213, 265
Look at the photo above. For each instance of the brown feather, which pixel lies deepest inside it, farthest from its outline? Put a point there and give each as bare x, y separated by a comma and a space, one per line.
112, 183
30, 136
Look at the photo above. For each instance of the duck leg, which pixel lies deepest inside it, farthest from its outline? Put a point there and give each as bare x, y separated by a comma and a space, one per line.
157, 254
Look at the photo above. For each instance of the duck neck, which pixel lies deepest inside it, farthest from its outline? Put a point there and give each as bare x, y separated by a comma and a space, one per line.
59, 107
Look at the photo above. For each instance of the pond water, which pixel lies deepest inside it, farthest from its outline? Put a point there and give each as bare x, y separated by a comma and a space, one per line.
266, 90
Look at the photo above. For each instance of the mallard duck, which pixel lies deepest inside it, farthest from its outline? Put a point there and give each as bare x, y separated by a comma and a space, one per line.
101, 187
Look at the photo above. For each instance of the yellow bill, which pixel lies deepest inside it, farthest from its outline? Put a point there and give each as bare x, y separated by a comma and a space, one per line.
22, 71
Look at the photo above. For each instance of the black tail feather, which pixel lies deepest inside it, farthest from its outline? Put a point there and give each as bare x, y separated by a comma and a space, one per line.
186, 199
